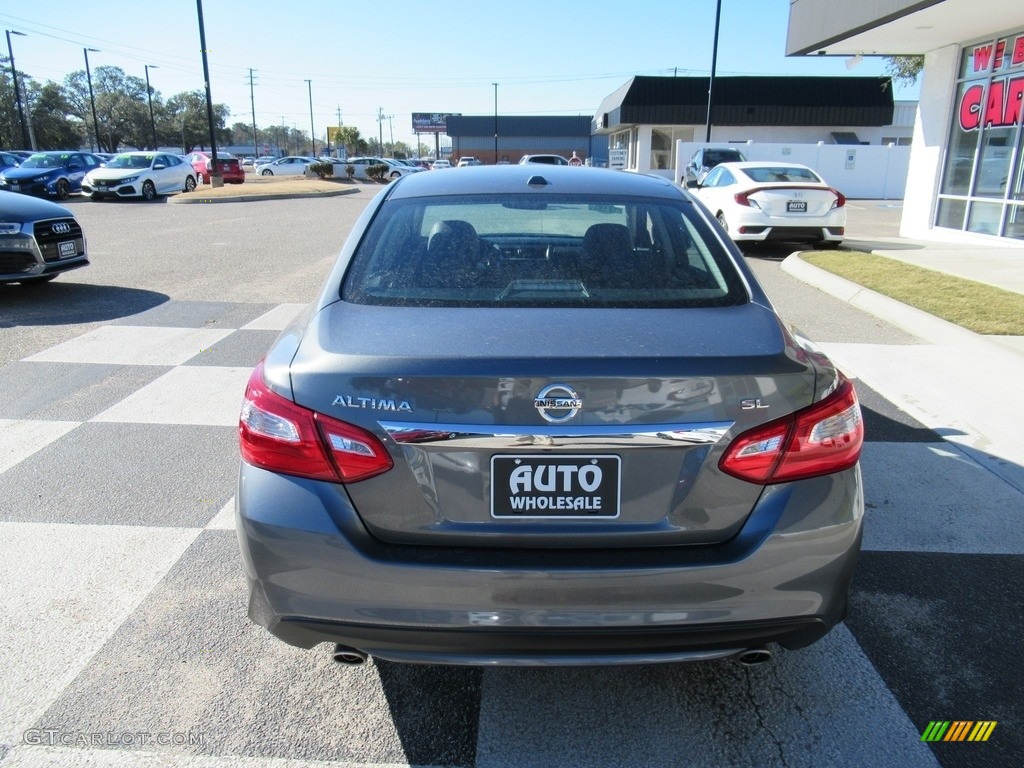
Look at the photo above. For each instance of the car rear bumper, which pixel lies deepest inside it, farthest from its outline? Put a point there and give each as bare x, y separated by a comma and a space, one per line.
316, 575
761, 233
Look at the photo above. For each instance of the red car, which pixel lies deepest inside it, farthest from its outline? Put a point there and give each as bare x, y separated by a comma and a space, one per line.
227, 164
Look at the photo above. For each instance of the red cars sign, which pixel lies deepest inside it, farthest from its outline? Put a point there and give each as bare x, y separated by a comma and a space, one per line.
999, 106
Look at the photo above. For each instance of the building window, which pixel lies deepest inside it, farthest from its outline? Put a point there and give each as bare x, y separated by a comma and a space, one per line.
663, 146
982, 177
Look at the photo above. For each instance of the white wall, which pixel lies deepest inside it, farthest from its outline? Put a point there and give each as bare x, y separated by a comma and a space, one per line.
931, 133
858, 171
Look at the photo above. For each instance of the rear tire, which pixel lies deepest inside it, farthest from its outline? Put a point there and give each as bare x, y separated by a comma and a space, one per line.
828, 245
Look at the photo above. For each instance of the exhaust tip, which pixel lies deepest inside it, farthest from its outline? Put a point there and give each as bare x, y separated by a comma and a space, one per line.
754, 657
349, 656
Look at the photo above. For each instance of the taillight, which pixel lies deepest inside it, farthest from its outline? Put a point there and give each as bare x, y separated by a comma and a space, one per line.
840, 200
276, 434
743, 198
823, 438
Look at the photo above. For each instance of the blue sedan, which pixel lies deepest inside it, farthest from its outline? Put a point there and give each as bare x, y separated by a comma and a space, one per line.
50, 174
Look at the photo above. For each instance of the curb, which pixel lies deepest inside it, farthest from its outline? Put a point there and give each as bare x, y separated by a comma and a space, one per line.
928, 327
244, 198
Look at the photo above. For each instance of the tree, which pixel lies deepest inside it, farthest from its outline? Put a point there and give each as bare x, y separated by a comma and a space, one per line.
122, 113
241, 133
186, 112
904, 70
348, 137
52, 122
10, 121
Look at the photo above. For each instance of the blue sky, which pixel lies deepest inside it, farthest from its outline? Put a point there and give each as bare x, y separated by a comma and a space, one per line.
548, 58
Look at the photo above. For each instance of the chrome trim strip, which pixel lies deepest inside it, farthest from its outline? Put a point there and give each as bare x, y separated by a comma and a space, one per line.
499, 436
552, 660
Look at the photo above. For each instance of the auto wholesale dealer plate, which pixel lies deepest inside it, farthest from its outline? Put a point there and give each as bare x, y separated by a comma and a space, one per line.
797, 206
555, 486
66, 248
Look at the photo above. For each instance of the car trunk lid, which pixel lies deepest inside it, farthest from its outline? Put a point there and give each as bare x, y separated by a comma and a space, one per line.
519, 433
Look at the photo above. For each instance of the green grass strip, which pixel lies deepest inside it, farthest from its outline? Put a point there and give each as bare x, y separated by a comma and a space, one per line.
978, 307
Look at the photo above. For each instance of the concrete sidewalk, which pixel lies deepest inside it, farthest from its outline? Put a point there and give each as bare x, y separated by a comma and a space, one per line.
998, 265
961, 384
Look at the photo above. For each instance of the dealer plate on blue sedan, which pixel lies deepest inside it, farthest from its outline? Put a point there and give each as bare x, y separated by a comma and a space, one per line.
67, 248
797, 206
555, 486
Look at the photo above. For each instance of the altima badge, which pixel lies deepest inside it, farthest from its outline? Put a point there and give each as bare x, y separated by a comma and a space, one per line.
372, 403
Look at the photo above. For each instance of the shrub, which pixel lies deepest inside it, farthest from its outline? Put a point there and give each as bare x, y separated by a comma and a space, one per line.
350, 171
376, 172
322, 169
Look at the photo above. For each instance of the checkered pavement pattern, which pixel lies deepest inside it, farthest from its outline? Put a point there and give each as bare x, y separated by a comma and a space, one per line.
124, 640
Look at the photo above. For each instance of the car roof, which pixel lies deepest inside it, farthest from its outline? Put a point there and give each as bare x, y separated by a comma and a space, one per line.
547, 179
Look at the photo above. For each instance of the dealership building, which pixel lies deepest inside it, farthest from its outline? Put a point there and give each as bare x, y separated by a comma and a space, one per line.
966, 175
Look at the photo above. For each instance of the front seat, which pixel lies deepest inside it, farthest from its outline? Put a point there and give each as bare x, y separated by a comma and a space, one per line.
453, 250
608, 252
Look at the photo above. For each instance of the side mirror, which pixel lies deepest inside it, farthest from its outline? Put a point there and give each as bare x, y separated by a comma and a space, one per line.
158, 166
693, 184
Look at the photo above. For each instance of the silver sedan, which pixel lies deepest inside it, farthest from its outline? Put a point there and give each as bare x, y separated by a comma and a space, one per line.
546, 415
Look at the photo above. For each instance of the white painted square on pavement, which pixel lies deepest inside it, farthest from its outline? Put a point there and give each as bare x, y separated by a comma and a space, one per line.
72, 585
19, 439
134, 345
207, 396
276, 319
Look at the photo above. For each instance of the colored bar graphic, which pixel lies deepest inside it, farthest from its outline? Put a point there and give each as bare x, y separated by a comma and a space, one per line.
959, 730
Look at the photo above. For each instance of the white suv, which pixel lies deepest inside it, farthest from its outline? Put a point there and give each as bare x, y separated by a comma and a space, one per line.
465, 162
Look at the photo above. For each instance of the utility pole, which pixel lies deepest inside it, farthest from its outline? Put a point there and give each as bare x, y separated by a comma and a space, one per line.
312, 132
252, 101
380, 129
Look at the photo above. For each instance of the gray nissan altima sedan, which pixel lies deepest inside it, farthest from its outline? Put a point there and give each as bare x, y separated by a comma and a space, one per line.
545, 415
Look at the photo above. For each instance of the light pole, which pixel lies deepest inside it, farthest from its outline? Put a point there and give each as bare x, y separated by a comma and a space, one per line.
312, 131
215, 176
17, 90
495, 123
149, 95
714, 65
92, 97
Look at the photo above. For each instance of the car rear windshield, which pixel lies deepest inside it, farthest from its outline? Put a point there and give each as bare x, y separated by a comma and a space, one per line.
715, 156
518, 250
767, 174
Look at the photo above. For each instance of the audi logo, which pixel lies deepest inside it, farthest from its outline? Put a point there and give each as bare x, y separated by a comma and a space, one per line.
60, 228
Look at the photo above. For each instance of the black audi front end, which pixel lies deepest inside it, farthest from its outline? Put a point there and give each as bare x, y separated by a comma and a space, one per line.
38, 240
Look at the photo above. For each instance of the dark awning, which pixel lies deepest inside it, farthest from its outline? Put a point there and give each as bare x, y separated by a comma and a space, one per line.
770, 100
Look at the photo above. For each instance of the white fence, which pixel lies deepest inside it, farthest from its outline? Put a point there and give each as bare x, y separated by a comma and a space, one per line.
862, 171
